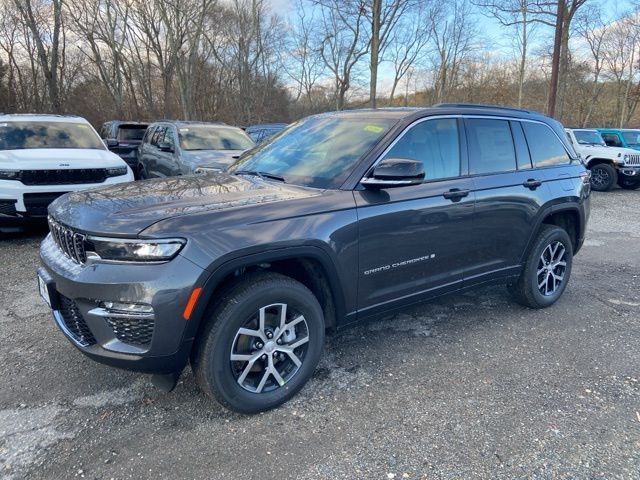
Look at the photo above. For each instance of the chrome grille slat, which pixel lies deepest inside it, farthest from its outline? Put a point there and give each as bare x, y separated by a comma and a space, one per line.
69, 242
633, 160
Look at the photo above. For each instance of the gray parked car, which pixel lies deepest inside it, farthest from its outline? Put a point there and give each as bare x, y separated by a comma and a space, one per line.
171, 148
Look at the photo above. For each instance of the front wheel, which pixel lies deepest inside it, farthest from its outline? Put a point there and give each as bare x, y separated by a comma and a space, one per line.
261, 345
547, 270
628, 184
603, 177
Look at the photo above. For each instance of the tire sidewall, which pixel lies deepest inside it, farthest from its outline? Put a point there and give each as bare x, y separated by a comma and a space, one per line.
549, 237
218, 368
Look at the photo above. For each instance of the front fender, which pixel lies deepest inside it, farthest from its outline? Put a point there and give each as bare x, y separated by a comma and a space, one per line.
221, 268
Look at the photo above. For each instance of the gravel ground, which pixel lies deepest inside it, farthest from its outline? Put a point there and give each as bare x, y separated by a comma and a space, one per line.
471, 386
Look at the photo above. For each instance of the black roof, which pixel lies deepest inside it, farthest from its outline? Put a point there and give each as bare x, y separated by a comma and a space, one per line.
188, 122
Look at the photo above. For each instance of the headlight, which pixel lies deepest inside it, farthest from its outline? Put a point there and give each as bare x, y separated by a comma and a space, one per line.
9, 174
116, 171
625, 159
201, 170
133, 250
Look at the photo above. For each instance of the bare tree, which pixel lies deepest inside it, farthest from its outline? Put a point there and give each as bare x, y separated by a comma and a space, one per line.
44, 21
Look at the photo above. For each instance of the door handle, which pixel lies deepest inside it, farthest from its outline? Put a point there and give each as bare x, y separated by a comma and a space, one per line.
455, 194
532, 183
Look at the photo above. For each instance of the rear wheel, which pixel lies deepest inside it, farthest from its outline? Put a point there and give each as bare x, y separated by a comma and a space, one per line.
261, 344
603, 177
547, 270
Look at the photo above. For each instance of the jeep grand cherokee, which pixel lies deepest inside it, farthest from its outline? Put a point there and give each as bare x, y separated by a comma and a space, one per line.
345, 216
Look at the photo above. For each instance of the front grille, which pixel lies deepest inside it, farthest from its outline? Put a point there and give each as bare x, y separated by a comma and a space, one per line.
132, 330
63, 177
71, 243
8, 207
632, 159
74, 321
37, 204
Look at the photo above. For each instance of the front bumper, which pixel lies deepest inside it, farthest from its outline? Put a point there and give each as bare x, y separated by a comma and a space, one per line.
630, 172
20, 203
159, 342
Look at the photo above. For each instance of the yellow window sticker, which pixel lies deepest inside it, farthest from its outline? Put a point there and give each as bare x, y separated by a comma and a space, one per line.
373, 128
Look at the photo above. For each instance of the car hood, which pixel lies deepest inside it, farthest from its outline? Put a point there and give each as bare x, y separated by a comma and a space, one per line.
607, 152
213, 158
128, 209
58, 158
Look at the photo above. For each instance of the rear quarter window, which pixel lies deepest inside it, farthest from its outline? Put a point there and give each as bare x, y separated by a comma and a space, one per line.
545, 147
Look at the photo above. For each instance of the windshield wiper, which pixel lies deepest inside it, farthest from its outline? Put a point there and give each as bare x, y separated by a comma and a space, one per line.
262, 175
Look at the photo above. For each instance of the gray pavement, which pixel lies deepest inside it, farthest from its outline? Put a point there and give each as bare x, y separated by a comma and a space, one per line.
470, 386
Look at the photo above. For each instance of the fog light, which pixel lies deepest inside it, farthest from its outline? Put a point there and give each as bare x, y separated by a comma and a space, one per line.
133, 308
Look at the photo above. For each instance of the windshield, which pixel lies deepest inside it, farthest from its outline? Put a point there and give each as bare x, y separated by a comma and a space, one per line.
588, 137
317, 152
25, 135
209, 137
632, 137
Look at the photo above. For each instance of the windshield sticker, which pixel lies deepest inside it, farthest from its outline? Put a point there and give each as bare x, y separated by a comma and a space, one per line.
183, 130
373, 128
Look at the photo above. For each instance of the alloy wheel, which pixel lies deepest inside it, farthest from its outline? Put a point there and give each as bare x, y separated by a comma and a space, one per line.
599, 177
551, 268
269, 349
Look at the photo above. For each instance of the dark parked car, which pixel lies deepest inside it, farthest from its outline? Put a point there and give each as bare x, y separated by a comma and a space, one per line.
345, 216
264, 131
171, 148
123, 139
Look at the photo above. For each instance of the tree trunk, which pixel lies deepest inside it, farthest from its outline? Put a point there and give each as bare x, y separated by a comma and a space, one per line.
555, 62
375, 50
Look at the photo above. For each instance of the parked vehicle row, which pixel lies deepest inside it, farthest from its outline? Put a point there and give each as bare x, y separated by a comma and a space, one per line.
344, 216
612, 156
168, 148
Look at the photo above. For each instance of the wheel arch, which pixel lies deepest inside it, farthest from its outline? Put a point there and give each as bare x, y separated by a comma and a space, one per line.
567, 217
593, 161
309, 265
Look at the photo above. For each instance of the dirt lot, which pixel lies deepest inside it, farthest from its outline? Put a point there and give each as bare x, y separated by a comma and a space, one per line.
470, 386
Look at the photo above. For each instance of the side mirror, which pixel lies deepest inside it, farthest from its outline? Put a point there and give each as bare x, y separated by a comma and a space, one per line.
110, 142
395, 172
165, 147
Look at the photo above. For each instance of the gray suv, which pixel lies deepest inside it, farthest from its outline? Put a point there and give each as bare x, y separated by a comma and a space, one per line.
171, 148
343, 217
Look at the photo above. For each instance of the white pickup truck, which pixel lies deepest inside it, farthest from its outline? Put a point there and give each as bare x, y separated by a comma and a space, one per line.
608, 165
45, 156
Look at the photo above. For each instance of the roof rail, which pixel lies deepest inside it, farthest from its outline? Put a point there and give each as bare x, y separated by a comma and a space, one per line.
479, 105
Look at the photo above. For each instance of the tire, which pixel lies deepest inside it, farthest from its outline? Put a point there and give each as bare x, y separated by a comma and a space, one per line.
529, 290
603, 177
221, 378
628, 184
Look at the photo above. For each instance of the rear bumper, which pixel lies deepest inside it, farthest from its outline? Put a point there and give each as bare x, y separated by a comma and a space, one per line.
156, 342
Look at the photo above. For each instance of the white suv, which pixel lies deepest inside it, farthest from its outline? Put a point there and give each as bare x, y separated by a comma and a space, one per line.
45, 156
608, 165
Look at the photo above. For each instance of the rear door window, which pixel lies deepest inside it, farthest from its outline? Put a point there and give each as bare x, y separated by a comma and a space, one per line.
545, 147
491, 148
435, 143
